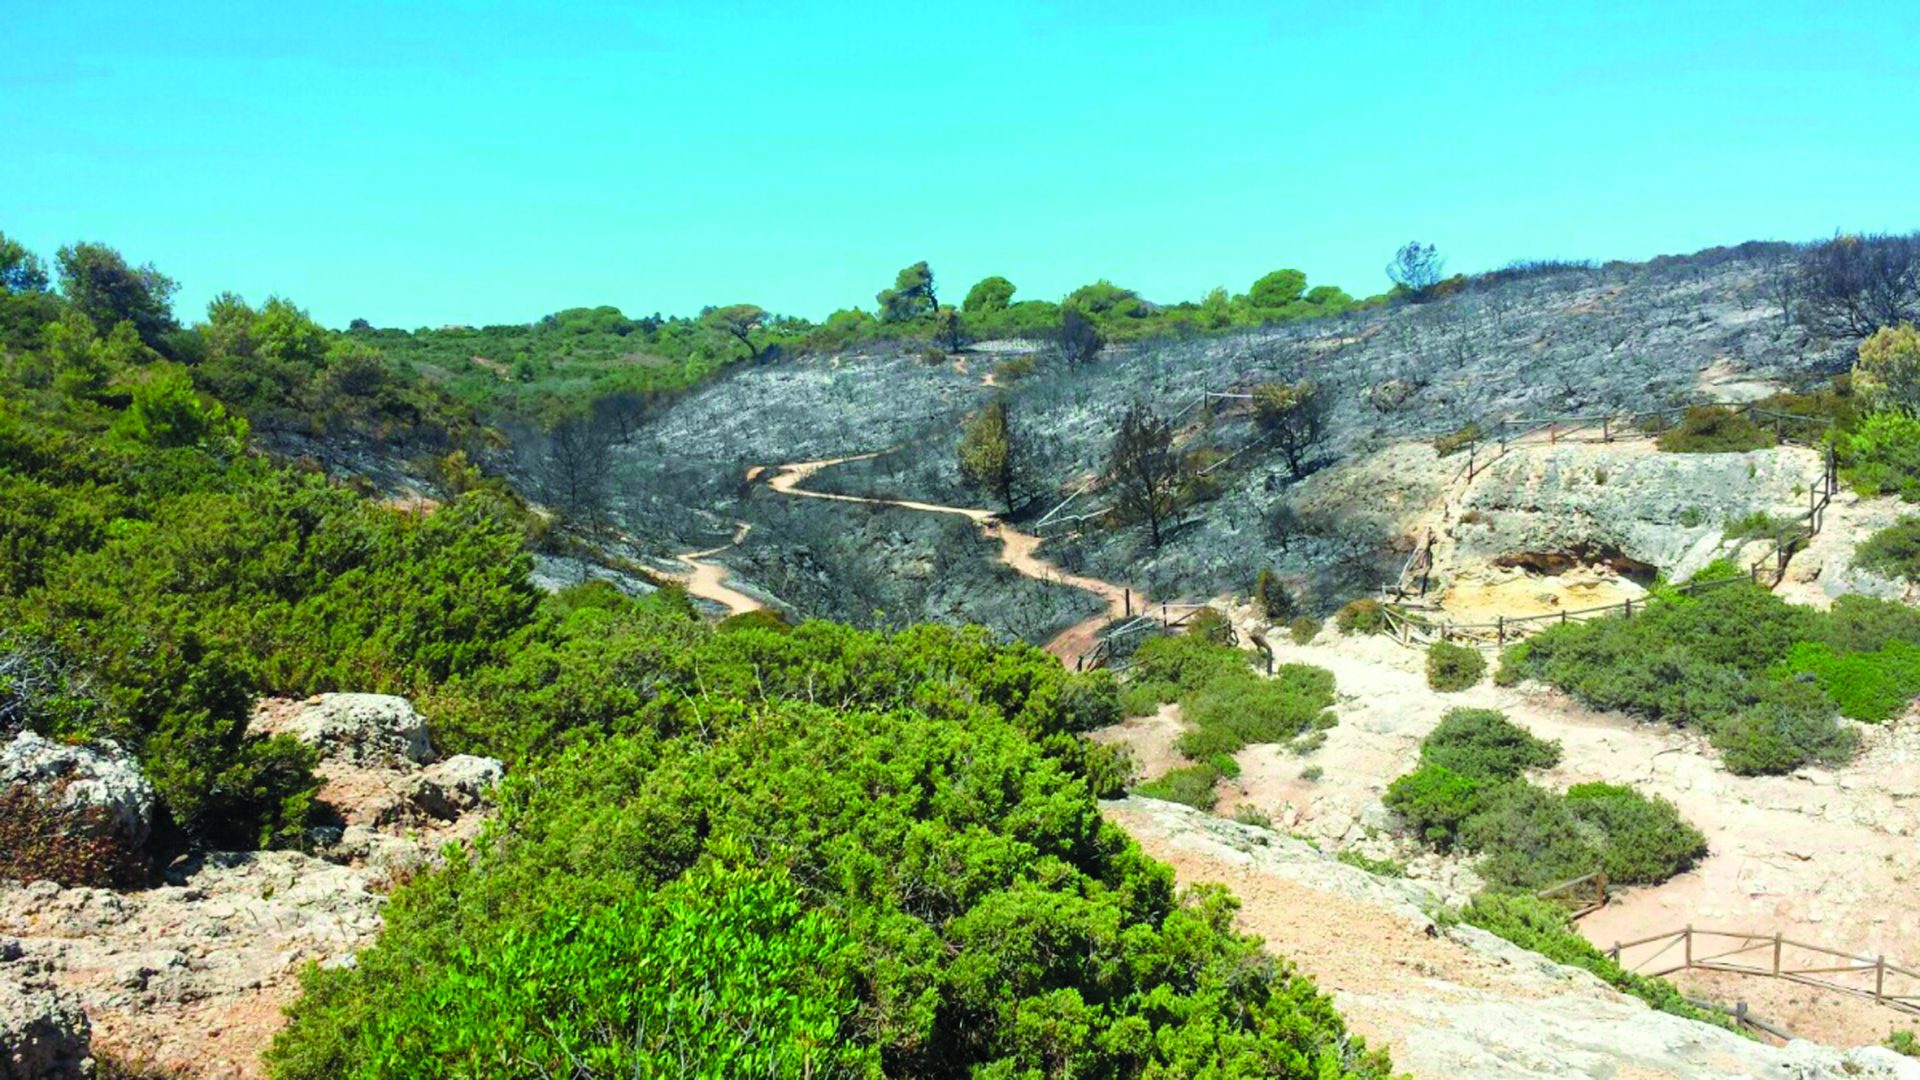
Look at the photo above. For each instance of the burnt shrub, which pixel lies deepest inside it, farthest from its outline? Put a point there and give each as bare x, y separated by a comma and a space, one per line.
42, 840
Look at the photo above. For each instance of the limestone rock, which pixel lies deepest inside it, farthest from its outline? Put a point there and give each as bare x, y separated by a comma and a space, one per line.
452, 787
360, 729
44, 1033
101, 783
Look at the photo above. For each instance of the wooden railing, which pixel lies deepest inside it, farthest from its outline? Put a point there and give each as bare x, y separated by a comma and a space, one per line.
1583, 895
1774, 956
1162, 617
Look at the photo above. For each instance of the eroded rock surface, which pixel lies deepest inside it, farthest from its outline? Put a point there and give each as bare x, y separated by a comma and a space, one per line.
192, 973
100, 784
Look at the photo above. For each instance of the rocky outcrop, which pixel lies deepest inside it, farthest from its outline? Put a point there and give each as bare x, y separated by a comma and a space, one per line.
192, 974
44, 1034
100, 785
359, 729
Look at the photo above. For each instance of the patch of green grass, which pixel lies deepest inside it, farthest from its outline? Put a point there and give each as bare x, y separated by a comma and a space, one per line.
1192, 785
1380, 867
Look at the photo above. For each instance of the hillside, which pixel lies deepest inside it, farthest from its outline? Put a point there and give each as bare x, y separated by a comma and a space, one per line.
506, 737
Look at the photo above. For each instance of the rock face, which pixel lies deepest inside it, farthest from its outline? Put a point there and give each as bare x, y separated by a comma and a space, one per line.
454, 786
101, 784
44, 1034
362, 729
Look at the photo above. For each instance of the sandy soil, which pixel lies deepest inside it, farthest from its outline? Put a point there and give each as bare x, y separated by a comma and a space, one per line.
1151, 739
1017, 549
1514, 593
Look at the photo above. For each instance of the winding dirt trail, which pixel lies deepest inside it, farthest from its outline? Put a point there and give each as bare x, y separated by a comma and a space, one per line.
708, 580
1017, 549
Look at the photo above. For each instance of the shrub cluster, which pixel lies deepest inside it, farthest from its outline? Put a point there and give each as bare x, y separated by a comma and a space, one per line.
1226, 704
1469, 793
1362, 616
876, 854
1892, 552
1453, 667
1715, 429
1763, 678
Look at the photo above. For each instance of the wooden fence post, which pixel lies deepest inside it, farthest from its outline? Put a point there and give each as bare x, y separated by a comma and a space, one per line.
1629, 607
1500, 630
1740, 1014
1688, 935
1776, 952
1127, 598
1606, 429
1879, 978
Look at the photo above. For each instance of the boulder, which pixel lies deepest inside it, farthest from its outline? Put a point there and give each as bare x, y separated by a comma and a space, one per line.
360, 729
44, 1034
101, 784
454, 786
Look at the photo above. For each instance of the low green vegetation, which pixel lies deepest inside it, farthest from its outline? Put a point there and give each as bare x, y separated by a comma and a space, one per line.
1903, 1041
1715, 429
1543, 927
1458, 440
1763, 679
1362, 616
1303, 629
1452, 667
1380, 867
1226, 705
1893, 551
1470, 793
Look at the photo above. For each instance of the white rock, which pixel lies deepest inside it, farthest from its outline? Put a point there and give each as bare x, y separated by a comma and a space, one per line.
100, 777
44, 1034
364, 729
452, 787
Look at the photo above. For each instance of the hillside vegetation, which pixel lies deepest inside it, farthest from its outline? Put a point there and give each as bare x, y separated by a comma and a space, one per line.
805, 851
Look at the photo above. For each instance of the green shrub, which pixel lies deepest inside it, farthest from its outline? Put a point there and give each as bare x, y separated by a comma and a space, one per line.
1362, 616
1872, 687
1380, 867
760, 619
1527, 838
1249, 814
1782, 733
1543, 927
1715, 429
1902, 1041
1210, 626
723, 967
1882, 455
1234, 711
1181, 664
1892, 552
1303, 629
1453, 667
1485, 745
1646, 841
1434, 800
1192, 785
1759, 525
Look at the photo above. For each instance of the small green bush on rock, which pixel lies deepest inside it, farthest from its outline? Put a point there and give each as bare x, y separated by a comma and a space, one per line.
1452, 667
1715, 429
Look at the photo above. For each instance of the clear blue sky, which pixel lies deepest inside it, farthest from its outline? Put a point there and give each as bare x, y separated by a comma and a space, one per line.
489, 162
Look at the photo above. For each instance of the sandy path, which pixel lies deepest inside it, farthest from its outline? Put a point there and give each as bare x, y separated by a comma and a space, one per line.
1017, 549
707, 580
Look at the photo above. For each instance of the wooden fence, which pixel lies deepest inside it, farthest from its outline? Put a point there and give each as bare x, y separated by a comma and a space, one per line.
1153, 618
1583, 895
1774, 956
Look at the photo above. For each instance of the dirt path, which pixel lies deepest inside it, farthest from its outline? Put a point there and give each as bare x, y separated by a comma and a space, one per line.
1018, 550
708, 580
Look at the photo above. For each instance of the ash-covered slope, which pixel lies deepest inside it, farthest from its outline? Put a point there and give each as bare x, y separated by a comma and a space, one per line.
1556, 341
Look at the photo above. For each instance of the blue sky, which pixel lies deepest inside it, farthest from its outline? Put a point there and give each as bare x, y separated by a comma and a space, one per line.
489, 162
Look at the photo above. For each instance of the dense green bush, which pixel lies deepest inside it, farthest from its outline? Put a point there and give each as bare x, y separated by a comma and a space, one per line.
1715, 429
1718, 659
1527, 838
1543, 927
1881, 455
1270, 595
1362, 616
1872, 687
1893, 551
992, 922
1189, 784
1233, 711
1485, 745
1645, 839
1435, 801
1453, 667
1303, 629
